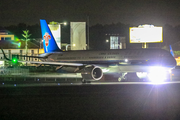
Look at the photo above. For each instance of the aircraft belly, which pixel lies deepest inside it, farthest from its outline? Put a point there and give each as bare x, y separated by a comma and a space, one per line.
135, 68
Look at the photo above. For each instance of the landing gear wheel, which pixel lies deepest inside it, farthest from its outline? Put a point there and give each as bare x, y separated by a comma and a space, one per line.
84, 81
120, 79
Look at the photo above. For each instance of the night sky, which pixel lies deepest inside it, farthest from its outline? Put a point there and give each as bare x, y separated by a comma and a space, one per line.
133, 12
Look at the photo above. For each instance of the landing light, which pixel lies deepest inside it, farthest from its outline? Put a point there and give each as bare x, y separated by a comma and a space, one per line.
157, 74
105, 70
126, 60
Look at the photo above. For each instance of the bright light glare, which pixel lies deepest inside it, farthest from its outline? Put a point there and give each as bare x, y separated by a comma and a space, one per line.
14, 60
1, 62
126, 60
141, 74
157, 74
19, 44
105, 70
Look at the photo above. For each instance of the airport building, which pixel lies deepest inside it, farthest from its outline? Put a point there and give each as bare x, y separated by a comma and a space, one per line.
116, 41
5, 35
13, 46
78, 35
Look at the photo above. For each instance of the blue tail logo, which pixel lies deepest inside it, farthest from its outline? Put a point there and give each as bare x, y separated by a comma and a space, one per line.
49, 42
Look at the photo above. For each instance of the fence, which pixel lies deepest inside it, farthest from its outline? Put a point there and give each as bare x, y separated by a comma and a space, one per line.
14, 71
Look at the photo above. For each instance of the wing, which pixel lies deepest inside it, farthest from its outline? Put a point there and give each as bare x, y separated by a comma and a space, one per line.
46, 63
54, 63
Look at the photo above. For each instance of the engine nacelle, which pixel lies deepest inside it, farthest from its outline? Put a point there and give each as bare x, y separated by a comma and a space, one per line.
92, 73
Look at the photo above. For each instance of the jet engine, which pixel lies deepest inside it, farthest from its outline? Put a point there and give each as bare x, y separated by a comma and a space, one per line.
92, 73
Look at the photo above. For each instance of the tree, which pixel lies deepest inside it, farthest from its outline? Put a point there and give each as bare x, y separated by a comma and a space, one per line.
26, 35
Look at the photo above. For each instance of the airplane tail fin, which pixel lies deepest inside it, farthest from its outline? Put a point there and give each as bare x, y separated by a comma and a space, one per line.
49, 42
171, 50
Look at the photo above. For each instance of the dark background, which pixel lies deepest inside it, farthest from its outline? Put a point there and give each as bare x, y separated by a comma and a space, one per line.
134, 12
102, 17
121, 101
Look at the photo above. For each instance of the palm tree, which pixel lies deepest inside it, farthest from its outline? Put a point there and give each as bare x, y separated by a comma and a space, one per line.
26, 35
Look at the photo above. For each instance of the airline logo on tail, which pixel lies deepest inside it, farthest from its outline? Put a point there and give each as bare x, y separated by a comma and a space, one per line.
49, 42
46, 37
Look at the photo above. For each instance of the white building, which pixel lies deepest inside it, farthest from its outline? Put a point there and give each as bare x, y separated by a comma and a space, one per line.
78, 36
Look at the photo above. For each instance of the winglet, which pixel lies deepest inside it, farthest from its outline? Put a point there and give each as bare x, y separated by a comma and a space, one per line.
5, 55
171, 50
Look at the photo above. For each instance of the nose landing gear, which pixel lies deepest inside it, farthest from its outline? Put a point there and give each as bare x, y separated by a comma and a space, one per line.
123, 77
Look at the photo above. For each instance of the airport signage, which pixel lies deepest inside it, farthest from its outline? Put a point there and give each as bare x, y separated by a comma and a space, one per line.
146, 34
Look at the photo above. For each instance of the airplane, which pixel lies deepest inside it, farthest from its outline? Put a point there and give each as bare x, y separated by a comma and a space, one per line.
93, 65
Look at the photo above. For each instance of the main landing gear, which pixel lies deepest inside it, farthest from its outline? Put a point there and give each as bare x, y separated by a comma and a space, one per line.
84, 81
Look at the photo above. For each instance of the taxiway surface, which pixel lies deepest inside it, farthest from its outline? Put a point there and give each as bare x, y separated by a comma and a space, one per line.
91, 101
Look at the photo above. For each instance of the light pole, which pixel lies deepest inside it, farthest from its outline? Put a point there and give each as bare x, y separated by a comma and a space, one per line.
64, 23
88, 31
